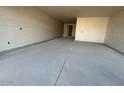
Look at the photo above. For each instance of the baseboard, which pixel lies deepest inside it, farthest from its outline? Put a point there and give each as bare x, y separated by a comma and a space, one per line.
14, 49
114, 49
89, 42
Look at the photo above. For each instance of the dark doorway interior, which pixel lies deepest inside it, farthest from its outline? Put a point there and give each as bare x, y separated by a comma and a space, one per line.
70, 30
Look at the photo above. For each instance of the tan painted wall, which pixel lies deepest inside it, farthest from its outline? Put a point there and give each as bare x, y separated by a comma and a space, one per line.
115, 33
36, 26
65, 32
91, 29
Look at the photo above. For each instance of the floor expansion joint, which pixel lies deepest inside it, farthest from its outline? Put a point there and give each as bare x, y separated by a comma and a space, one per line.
60, 72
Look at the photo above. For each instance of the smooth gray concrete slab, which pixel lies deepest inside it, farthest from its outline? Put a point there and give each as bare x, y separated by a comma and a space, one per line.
62, 62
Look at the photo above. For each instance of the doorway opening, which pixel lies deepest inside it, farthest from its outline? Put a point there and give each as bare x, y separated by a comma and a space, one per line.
69, 30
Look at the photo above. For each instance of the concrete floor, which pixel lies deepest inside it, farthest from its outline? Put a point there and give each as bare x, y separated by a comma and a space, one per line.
62, 62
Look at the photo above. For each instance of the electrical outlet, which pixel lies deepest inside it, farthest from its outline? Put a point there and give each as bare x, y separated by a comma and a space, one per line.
8, 42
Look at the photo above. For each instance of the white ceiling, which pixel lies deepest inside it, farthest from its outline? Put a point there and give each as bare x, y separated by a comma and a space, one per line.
69, 13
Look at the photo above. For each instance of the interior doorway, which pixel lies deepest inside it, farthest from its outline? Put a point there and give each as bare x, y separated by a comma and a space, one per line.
69, 30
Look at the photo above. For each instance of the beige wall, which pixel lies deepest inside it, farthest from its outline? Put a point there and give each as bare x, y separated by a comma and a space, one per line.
91, 29
36, 26
65, 32
115, 33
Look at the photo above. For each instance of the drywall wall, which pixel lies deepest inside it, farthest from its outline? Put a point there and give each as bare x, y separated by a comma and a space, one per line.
91, 29
66, 30
115, 34
20, 26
